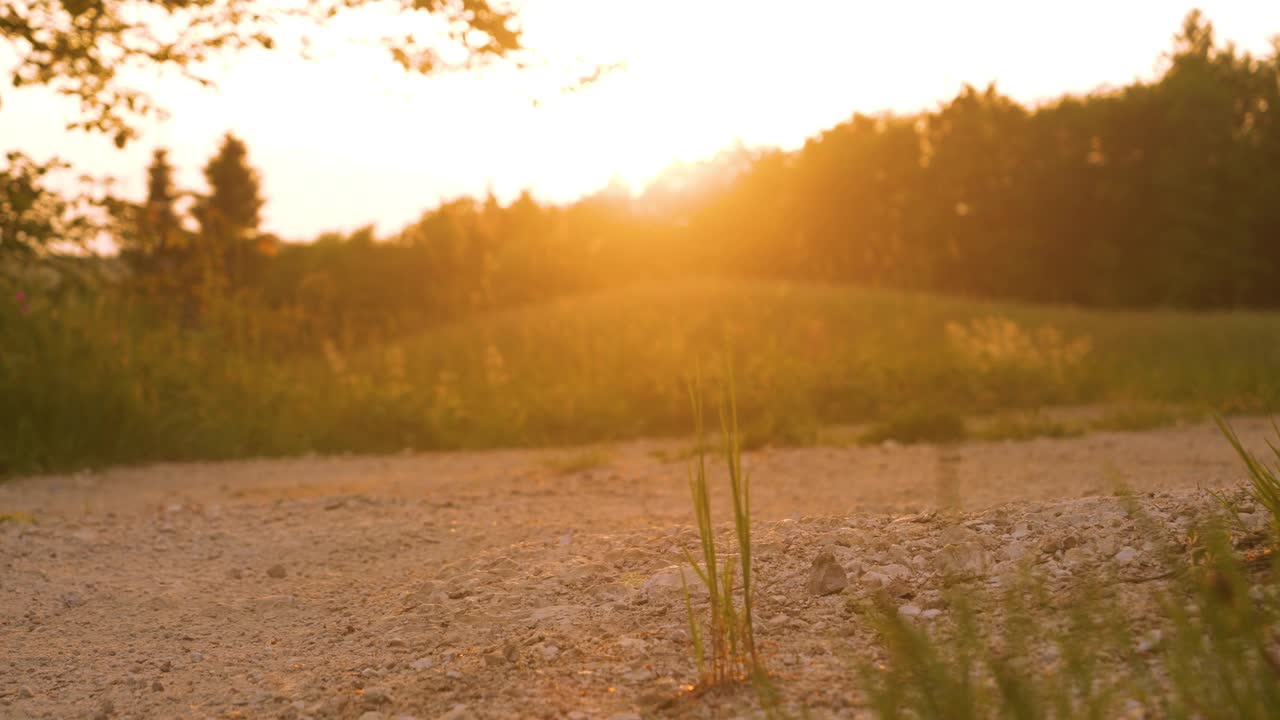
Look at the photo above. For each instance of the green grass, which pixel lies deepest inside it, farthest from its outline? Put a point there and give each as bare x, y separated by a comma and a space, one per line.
20, 518
918, 425
1264, 480
1027, 425
1140, 417
580, 461
724, 648
96, 382
1211, 654
1212, 659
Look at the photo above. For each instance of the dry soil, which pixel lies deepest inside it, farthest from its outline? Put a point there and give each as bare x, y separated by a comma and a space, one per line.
495, 585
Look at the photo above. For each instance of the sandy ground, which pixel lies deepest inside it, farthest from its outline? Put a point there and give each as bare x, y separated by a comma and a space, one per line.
493, 585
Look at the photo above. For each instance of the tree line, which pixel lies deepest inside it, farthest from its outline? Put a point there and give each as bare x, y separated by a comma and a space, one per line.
1159, 193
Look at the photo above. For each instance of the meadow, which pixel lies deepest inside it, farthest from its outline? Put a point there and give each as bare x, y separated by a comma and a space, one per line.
99, 381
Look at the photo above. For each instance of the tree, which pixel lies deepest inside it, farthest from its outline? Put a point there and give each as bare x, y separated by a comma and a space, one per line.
33, 216
235, 200
158, 226
230, 214
82, 48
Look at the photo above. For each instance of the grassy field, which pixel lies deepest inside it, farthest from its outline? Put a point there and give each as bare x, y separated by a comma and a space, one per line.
88, 383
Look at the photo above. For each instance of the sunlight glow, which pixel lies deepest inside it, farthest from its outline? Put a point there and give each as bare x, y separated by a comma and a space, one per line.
346, 138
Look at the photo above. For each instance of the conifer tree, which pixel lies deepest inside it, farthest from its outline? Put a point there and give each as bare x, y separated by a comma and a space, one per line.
230, 214
159, 228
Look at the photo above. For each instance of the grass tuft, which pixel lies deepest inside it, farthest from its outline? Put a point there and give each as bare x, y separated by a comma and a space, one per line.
729, 651
1141, 416
1264, 482
20, 518
1021, 426
1212, 651
577, 462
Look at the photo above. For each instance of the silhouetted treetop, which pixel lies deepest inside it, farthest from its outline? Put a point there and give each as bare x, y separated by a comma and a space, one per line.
81, 47
1159, 193
235, 198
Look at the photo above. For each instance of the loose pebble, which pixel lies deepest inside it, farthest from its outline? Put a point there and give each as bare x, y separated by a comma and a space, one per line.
826, 576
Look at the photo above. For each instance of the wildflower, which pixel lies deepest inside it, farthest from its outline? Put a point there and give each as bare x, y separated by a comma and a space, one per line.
20, 297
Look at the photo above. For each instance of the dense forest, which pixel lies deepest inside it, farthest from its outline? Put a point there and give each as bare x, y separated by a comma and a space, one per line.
1159, 193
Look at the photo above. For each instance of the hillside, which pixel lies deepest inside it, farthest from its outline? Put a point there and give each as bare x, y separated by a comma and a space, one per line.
94, 383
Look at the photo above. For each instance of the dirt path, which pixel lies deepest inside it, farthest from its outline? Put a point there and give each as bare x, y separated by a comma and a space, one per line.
483, 584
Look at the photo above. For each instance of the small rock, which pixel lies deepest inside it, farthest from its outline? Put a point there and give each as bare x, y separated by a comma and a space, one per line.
674, 577
550, 652
157, 686
631, 643
72, 600
955, 535
931, 613
105, 710
1126, 555
166, 666
963, 559
376, 696
909, 610
894, 571
457, 712
1149, 642
24, 692
422, 663
876, 579
1013, 551
276, 571
638, 676
197, 657
1020, 531
826, 577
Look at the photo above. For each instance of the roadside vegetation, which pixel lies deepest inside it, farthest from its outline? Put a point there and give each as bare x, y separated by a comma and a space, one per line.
1212, 652
1204, 644
88, 382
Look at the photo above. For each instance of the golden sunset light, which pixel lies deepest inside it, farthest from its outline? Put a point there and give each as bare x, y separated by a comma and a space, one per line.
622, 360
693, 78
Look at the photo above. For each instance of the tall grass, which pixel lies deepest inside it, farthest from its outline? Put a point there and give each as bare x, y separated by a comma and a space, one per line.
1214, 653
1264, 481
88, 382
727, 648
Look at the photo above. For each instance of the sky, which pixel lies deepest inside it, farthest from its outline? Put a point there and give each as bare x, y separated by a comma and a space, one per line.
347, 138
